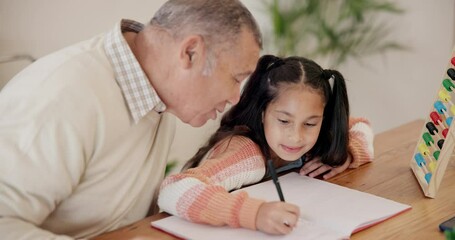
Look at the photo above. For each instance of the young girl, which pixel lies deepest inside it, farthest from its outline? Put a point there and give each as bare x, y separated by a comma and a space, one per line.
289, 109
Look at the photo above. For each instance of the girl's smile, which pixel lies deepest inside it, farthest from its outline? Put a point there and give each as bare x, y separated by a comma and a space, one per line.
291, 150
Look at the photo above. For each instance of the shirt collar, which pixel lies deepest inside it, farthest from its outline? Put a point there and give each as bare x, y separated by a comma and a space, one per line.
139, 94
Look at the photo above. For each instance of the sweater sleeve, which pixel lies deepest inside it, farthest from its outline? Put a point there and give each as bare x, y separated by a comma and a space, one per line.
360, 142
202, 195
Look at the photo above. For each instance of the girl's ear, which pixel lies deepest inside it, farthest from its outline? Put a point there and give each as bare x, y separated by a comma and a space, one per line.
191, 51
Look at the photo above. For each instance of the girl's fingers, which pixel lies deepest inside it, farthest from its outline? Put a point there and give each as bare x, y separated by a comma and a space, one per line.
285, 225
330, 174
293, 209
310, 166
322, 169
339, 169
277, 217
315, 167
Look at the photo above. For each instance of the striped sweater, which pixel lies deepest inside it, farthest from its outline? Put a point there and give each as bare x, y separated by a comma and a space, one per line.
202, 195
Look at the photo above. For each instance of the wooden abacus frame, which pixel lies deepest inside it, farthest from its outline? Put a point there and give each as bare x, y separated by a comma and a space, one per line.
429, 177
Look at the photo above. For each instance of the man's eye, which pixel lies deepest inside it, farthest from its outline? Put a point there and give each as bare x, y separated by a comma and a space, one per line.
283, 121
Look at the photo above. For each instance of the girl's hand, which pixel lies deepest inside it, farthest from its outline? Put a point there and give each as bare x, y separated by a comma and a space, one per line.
277, 218
315, 167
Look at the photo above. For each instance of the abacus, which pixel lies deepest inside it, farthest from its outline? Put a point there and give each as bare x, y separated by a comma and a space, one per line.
436, 142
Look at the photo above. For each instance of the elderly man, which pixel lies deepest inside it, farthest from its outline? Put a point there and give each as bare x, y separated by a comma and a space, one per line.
85, 131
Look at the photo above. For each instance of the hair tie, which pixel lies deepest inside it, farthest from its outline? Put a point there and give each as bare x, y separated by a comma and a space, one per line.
275, 64
328, 75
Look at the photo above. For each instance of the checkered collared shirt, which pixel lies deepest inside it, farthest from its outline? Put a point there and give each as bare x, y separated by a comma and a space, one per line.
139, 94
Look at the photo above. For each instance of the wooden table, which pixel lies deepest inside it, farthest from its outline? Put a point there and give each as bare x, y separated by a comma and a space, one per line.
389, 176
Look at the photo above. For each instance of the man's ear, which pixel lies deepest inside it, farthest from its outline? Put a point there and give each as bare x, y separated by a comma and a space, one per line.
191, 50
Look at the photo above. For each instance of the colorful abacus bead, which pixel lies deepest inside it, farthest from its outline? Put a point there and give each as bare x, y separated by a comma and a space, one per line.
436, 155
449, 121
448, 85
421, 163
437, 120
426, 153
433, 130
445, 96
429, 140
444, 132
439, 106
441, 143
451, 73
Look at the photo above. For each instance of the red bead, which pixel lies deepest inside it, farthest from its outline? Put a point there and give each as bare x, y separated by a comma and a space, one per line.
444, 132
435, 117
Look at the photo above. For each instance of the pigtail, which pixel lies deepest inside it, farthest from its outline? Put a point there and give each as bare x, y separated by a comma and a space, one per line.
336, 119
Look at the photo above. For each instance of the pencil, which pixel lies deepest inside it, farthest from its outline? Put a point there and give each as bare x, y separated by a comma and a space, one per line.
275, 179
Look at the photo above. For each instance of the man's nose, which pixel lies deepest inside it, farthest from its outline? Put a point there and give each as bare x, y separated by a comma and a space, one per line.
235, 97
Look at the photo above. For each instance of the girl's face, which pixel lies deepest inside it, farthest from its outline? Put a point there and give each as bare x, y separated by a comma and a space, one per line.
292, 121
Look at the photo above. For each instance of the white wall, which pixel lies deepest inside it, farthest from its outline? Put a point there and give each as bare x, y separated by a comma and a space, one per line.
38, 27
397, 87
389, 89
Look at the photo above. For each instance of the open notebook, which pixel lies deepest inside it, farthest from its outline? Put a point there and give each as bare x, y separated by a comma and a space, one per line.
328, 211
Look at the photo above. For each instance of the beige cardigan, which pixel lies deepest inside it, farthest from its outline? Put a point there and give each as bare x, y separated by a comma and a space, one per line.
73, 164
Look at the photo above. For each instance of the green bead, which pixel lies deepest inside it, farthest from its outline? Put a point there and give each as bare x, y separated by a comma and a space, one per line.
436, 155
448, 84
427, 138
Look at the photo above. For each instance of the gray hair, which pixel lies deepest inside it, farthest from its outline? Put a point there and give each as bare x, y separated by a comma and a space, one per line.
217, 21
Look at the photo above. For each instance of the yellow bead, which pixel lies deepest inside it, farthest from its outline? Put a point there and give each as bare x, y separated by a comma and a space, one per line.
444, 95
424, 149
432, 166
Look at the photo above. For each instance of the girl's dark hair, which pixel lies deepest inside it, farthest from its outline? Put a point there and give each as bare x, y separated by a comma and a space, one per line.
245, 118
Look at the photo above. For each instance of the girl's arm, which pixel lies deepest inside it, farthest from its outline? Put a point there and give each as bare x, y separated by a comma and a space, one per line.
360, 151
360, 142
202, 195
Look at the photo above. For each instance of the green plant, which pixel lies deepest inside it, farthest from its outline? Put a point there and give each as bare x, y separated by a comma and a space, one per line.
331, 29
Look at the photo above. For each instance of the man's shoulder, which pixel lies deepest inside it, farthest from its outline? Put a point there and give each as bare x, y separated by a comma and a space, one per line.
84, 55
81, 66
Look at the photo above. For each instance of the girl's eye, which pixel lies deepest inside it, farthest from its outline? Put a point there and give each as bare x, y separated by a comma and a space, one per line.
310, 124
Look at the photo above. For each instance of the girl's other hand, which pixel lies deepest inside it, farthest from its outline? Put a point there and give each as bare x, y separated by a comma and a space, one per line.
315, 167
277, 218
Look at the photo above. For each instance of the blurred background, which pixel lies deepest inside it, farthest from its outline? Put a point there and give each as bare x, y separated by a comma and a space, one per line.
393, 54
